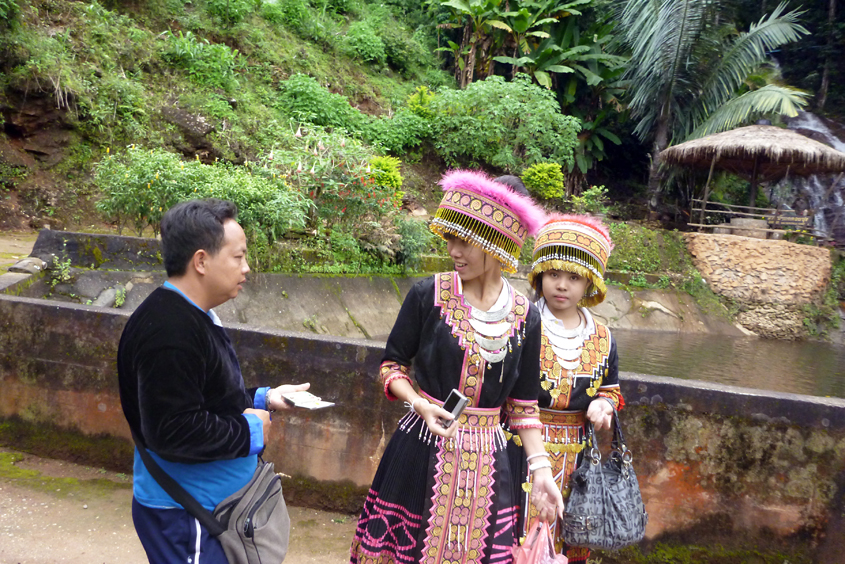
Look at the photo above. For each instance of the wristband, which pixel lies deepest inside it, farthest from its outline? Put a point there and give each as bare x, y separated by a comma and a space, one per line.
414, 403
544, 453
541, 464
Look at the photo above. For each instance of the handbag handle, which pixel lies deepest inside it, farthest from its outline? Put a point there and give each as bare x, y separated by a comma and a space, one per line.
618, 447
619, 450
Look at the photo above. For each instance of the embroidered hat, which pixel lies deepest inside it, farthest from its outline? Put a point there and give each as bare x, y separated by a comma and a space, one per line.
574, 243
488, 214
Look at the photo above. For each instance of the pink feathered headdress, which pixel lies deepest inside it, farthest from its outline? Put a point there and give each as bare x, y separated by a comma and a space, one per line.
486, 213
574, 243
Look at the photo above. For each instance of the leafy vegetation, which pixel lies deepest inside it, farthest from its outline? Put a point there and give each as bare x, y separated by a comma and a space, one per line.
821, 318
332, 104
506, 125
686, 73
593, 201
140, 185
643, 250
544, 181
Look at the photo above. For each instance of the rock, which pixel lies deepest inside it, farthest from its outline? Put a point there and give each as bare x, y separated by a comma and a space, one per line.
106, 298
29, 265
658, 307
192, 124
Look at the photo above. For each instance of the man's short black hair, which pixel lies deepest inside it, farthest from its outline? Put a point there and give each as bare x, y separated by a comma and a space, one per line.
190, 226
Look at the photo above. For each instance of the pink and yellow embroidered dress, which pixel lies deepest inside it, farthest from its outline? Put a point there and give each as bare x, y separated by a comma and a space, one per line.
439, 501
564, 399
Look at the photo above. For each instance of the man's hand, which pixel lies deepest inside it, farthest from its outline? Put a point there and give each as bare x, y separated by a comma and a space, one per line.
265, 420
274, 396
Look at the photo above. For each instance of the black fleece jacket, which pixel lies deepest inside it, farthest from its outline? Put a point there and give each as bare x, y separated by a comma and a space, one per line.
180, 382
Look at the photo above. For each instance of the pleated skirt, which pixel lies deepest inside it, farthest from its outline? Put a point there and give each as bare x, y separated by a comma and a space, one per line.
440, 501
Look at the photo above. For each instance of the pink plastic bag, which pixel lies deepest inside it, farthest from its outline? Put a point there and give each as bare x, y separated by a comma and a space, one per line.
538, 548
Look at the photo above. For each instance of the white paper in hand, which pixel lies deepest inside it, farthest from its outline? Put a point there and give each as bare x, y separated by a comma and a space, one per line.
305, 400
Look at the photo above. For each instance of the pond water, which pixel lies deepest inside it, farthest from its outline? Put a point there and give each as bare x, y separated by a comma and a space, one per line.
816, 369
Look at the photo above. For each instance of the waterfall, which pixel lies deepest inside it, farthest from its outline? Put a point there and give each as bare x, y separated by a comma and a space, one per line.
817, 192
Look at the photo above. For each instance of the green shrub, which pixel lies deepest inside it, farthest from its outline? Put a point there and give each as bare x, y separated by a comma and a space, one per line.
335, 174
592, 200
415, 240
405, 130
385, 171
420, 102
208, 64
229, 12
363, 42
290, 13
140, 185
401, 52
544, 180
9, 12
304, 99
339, 6
505, 125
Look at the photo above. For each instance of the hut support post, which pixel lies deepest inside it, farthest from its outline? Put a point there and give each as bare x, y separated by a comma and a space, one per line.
753, 196
706, 192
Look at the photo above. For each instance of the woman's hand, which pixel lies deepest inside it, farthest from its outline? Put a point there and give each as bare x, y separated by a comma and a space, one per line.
432, 414
600, 413
545, 496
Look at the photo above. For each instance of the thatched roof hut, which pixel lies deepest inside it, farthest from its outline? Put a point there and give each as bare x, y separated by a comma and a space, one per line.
776, 151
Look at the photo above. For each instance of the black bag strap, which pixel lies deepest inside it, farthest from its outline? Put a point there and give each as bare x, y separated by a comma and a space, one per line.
178, 493
618, 440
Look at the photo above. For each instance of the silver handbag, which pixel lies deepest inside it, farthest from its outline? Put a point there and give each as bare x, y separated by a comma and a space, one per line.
605, 508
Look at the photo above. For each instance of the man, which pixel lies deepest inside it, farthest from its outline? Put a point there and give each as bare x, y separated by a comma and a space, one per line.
181, 386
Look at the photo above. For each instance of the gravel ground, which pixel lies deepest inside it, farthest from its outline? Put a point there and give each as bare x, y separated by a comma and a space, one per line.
57, 512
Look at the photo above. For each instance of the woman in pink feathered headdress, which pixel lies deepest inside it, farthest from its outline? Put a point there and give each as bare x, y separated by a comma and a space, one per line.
443, 490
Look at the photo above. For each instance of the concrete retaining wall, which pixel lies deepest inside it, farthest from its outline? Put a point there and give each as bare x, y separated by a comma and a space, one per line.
717, 465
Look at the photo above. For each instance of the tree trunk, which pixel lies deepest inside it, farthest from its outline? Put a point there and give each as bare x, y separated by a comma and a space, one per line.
487, 62
655, 175
831, 17
459, 72
469, 69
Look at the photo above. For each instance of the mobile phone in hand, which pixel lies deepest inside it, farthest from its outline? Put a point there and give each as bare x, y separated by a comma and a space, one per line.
454, 404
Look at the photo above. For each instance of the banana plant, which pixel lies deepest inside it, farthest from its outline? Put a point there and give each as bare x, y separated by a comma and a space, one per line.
528, 22
566, 52
483, 15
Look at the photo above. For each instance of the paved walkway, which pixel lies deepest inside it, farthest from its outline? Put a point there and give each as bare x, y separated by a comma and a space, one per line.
15, 246
57, 512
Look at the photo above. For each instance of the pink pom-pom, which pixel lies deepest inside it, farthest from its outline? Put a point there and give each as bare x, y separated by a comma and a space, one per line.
530, 214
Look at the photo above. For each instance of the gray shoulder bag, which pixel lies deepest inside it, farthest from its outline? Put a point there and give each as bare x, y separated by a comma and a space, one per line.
252, 524
605, 508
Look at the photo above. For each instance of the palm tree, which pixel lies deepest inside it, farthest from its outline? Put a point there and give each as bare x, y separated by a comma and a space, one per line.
686, 69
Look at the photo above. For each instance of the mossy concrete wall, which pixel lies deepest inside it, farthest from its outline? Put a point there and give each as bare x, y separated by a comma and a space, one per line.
717, 465
90, 250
